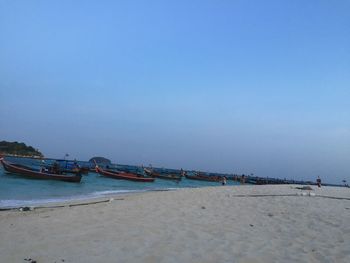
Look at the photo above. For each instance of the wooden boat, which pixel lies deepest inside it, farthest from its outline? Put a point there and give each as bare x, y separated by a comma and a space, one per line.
81, 170
123, 175
76, 170
71, 167
136, 172
30, 173
72, 171
166, 176
202, 177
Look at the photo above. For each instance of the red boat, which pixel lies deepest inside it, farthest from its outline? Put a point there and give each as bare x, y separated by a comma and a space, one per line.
167, 176
201, 177
30, 173
123, 175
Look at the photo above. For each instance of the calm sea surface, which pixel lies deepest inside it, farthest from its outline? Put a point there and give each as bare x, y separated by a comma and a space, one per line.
16, 191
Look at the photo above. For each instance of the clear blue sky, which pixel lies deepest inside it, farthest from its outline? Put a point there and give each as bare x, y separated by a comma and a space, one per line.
257, 87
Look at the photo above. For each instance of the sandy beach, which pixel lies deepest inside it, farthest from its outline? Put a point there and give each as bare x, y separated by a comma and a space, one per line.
272, 223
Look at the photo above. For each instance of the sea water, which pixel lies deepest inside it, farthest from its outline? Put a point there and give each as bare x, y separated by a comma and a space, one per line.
17, 191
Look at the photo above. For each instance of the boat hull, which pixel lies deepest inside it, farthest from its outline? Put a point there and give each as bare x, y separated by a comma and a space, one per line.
28, 173
202, 178
163, 176
123, 175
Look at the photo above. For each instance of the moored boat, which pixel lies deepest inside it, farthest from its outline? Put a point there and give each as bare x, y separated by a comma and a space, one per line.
73, 167
123, 175
201, 177
33, 174
81, 170
73, 171
166, 176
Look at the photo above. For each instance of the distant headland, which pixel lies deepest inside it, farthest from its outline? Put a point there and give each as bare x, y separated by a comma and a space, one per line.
100, 160
19, 149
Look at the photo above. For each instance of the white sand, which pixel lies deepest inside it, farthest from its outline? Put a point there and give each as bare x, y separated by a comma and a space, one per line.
188, 225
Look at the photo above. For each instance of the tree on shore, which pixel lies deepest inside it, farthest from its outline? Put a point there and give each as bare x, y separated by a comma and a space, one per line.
19, 149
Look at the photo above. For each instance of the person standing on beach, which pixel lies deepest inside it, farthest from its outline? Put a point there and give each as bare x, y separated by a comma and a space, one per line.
224, 181
318, 181
242, 179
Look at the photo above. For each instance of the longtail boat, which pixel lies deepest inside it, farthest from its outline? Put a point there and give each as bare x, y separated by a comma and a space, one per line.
71, 167
30, 173
166, 176
80, 170
75, 170
202, 177
84, 170
123, 175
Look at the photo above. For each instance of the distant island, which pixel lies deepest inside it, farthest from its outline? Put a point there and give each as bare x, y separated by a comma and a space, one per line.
100, 160
18, 149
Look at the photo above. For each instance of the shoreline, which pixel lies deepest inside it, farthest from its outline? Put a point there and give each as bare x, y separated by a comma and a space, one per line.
38, 203
88, 199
